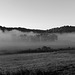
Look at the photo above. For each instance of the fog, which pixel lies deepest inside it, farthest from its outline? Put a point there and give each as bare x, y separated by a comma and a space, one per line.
17, 40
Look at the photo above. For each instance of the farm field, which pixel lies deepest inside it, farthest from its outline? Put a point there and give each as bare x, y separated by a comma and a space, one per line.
50, 63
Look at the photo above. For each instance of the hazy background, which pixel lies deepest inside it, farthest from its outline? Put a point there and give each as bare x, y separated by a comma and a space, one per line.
38, 14
16, 40
11, 40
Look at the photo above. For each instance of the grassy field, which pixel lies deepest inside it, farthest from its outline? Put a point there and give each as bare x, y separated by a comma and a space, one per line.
50, 63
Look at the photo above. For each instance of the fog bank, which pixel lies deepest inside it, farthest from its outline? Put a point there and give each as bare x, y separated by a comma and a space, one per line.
23, 40
16, 40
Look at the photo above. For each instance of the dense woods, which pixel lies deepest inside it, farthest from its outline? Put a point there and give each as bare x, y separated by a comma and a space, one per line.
53, 30
62, 29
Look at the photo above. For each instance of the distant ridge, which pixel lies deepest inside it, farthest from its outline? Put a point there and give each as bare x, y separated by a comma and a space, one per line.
63, 29
20, 29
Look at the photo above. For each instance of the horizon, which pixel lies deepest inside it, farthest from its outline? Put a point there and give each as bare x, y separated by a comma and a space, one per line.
34, 29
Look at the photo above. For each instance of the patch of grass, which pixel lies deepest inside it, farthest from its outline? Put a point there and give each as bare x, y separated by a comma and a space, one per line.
64, 70
52, 63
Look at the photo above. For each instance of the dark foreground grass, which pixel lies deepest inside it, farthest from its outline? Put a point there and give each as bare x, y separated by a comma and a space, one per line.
58, 62
59, 70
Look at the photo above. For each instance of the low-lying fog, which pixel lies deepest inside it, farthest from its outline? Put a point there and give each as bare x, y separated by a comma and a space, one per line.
16, 40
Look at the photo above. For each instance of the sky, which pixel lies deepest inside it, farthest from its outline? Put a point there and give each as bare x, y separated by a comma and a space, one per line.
37, 14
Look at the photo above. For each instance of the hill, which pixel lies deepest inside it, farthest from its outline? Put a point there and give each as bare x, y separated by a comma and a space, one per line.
63, 29
21, 29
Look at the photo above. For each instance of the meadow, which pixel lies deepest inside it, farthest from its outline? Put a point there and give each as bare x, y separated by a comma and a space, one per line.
50, 63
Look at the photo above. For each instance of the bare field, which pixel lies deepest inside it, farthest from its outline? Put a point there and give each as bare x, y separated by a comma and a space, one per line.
45, 63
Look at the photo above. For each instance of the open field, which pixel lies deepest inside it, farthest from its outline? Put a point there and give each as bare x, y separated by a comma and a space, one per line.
50, 63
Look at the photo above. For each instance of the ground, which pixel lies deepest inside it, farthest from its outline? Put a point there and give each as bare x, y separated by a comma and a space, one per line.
60, 62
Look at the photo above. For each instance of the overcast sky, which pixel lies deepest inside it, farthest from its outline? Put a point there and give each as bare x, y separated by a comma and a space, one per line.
38, 14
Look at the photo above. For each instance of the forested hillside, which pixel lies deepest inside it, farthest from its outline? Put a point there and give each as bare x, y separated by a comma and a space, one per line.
62, 29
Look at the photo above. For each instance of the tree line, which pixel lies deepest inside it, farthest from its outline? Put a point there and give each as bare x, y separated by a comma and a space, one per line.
53, 30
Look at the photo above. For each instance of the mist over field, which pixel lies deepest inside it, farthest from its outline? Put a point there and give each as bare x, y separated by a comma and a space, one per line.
22, 40
27, 51
16, 40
